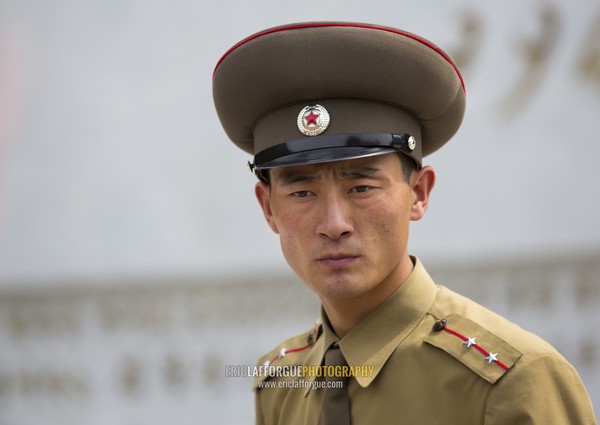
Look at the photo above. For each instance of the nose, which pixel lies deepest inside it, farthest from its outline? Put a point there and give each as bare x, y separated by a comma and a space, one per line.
334, 218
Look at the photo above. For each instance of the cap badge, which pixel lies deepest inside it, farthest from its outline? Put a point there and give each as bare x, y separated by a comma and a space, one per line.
412, 143
313, 120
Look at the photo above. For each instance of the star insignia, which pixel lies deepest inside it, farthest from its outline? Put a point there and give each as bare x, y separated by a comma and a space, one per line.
491, 357
470, 341
311, 118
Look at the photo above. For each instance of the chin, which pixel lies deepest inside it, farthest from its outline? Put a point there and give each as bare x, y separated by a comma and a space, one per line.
339, 289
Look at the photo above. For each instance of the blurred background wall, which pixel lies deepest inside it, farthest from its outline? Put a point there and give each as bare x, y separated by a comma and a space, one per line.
134, 262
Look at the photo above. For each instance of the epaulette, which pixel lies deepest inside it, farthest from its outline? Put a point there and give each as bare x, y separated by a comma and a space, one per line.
474, 346
282, 355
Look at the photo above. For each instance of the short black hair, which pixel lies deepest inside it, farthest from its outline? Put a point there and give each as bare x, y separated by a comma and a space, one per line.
409, 166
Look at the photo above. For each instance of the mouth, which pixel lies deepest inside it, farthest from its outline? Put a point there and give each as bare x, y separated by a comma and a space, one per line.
338, 260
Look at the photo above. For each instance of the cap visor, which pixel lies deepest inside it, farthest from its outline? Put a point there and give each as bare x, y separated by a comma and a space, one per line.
318, 156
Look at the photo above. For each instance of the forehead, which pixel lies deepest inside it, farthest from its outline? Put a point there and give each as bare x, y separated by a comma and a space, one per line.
351, 168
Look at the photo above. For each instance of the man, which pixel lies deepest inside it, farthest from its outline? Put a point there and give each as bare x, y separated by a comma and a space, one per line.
338, 117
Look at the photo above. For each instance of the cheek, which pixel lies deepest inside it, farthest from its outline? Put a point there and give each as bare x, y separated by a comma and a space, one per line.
295, 248
390, 223
290, 219
286, 222
292, 231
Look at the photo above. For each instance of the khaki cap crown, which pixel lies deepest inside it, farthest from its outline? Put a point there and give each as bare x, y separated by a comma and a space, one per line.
379, 86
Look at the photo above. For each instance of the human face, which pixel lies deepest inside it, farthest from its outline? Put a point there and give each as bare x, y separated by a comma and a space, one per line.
343, 226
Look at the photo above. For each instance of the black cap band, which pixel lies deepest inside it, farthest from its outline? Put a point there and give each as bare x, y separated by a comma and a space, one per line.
333, 147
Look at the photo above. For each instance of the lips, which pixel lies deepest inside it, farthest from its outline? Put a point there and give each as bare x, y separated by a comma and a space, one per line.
337, 260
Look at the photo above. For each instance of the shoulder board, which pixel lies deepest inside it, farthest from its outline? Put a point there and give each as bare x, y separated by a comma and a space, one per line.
283, 354
474, 346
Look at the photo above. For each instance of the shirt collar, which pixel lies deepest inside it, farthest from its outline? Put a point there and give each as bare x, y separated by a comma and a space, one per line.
374, 339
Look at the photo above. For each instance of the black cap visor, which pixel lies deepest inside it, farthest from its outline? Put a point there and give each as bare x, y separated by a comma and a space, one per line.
329, 148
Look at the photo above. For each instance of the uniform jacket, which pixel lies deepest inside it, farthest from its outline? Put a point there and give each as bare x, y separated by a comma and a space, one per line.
434, 357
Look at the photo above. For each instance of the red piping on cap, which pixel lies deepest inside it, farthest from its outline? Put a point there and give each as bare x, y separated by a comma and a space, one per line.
350, 25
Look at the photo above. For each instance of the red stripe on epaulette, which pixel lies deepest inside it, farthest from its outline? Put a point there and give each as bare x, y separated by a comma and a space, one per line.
480, 348
285, 352
312, 338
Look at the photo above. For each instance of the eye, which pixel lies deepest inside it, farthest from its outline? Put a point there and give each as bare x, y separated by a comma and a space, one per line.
361, 189
301, 194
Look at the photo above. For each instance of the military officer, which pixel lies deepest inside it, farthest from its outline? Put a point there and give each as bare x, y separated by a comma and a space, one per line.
338, 116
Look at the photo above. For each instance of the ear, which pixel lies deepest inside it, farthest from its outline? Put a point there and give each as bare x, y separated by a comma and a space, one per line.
422, 183
263, 195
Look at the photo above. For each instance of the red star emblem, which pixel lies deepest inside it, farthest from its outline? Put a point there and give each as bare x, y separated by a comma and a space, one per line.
311, 118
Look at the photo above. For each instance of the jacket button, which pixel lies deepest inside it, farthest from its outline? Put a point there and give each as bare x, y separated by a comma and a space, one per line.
439, 325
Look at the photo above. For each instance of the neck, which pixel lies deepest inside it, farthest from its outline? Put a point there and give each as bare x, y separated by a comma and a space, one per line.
345, 313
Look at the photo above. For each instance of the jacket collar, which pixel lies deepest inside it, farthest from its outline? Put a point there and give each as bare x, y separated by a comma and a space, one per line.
373, 340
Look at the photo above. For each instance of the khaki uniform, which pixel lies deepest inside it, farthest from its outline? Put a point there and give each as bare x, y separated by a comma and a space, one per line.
317, 92
436, 358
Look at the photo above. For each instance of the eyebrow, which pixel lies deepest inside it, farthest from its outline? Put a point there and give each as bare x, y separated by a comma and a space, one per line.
291, 176
360, 172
